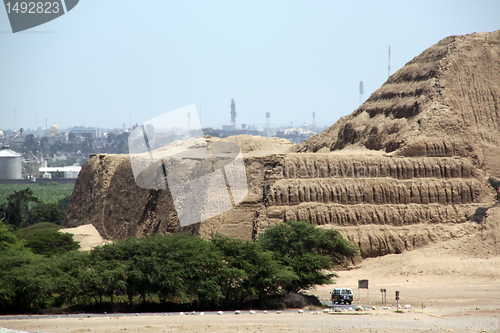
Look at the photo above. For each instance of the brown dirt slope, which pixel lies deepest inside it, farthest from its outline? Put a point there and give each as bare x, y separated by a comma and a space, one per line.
444, 102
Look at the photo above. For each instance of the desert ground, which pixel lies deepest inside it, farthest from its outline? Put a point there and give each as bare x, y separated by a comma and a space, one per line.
446, 288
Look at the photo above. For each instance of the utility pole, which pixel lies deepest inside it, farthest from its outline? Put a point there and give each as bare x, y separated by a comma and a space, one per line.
389, 63
361, 92
22, 142
233, 113
268, 115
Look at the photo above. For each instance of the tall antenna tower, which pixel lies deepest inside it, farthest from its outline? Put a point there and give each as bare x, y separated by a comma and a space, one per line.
314, 119
189, 123
361, 92
233, 113
268, 115
389, 63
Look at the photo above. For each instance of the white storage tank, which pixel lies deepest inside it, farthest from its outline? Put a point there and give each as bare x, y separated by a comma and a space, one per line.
10, 165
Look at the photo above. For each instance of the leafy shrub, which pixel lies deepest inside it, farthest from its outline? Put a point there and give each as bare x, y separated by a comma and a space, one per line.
39, 227
307, 250
50, 242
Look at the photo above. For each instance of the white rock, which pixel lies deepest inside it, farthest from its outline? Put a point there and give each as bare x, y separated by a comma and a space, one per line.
252, 312
359, 308
407, 306
300, 311
237, 312
220, 313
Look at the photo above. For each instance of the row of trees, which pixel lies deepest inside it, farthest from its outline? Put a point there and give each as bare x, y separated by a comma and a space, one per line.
171, 269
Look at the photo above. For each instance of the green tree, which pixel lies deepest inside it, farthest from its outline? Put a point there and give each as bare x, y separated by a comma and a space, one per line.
251, 271
9, 240
110, 266
111, 138
46, 212
57, 147
71, 137
88, 143
122, 143
31, 144
17, 209
50, 242
44, 145
67, 272
25, 282
307, 250
63, 204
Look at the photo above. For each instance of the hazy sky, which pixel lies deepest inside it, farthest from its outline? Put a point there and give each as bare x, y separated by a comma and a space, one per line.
105, 60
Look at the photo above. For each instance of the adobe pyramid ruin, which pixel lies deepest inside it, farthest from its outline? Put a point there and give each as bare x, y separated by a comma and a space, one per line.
409, 167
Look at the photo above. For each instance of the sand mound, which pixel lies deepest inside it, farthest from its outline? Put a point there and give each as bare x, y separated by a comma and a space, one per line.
87, 235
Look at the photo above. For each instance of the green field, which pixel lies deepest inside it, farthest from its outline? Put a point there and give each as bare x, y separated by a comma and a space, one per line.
50, 193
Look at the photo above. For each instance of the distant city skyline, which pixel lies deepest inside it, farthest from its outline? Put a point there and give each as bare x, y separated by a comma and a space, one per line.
283, 123
108, 63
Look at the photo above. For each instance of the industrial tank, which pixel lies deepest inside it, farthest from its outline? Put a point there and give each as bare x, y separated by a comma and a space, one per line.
10, 165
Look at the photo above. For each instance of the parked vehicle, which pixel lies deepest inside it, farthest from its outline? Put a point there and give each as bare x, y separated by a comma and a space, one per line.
342, 295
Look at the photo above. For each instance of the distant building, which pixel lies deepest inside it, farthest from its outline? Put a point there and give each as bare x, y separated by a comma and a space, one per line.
10, 165
80, 130
54, 129
68, 172
295, 135
227, 127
